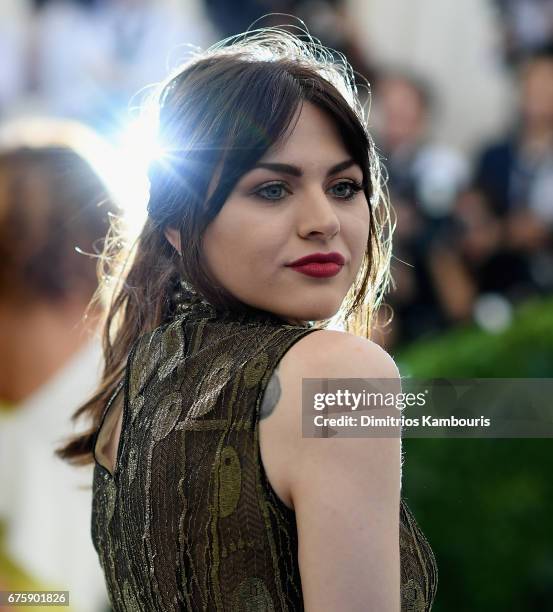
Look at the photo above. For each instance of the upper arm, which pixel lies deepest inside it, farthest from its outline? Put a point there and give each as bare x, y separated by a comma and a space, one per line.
345, 491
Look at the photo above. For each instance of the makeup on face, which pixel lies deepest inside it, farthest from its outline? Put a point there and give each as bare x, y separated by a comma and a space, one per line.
319, 265
291, 235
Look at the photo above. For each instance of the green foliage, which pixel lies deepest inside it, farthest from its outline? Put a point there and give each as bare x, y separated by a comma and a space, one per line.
486, 504
523, 350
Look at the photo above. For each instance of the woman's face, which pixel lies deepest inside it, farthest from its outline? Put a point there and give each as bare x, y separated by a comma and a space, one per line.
276, 215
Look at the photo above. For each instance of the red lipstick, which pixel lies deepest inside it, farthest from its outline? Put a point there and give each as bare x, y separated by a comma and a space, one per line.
319, 265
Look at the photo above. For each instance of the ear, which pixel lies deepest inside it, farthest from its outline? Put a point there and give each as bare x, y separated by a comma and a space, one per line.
173, 236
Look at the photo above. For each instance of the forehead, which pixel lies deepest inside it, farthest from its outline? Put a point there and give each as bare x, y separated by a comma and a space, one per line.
313, 134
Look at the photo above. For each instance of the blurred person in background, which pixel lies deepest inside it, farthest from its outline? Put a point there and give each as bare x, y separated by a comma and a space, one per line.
526, 26
506, 219
51, 201
14, 29
91, 57
330, 21
424, 178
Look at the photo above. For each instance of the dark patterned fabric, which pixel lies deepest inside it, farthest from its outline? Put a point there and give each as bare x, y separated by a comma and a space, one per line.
189, 520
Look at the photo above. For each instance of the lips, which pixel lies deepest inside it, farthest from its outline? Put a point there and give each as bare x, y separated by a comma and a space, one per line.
333, 257
319, 265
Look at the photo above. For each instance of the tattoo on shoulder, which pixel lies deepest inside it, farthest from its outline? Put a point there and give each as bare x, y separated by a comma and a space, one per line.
271, 396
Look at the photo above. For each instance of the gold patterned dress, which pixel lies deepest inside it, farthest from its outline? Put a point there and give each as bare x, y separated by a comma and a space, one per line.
189, 520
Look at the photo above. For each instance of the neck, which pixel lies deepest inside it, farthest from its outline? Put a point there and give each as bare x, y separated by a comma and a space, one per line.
37, 341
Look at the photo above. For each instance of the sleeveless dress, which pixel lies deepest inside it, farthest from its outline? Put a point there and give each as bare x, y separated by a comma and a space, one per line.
189, 520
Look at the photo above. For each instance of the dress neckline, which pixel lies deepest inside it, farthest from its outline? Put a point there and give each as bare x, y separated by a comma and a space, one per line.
190, 304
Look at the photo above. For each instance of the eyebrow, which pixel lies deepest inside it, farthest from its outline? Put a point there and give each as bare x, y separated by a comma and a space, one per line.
295, 171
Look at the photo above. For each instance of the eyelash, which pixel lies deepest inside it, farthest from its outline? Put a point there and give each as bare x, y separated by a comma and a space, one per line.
354, 186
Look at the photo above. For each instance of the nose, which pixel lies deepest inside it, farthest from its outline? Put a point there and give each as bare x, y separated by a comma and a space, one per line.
317, 216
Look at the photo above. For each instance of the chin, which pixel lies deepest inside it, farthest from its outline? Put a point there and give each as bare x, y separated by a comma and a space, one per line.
303, 309
313, 314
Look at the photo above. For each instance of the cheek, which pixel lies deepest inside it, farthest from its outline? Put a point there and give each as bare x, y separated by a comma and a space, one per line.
219, 243
239, 243
358, 231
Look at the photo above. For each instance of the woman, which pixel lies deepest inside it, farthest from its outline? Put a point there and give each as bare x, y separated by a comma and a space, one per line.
206, 495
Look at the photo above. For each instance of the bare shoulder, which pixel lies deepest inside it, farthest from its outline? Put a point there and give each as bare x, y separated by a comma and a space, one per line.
329, 353
322, 354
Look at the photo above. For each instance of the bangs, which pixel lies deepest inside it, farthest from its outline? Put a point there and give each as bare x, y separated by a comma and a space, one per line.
230, 113
254, 122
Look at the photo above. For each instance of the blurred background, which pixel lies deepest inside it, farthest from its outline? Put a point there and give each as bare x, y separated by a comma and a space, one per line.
462, 114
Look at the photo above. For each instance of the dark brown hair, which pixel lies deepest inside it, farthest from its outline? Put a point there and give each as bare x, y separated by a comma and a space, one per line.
218, 114
51, 202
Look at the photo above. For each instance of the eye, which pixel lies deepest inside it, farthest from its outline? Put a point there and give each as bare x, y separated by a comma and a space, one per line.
347, 189
271, 191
